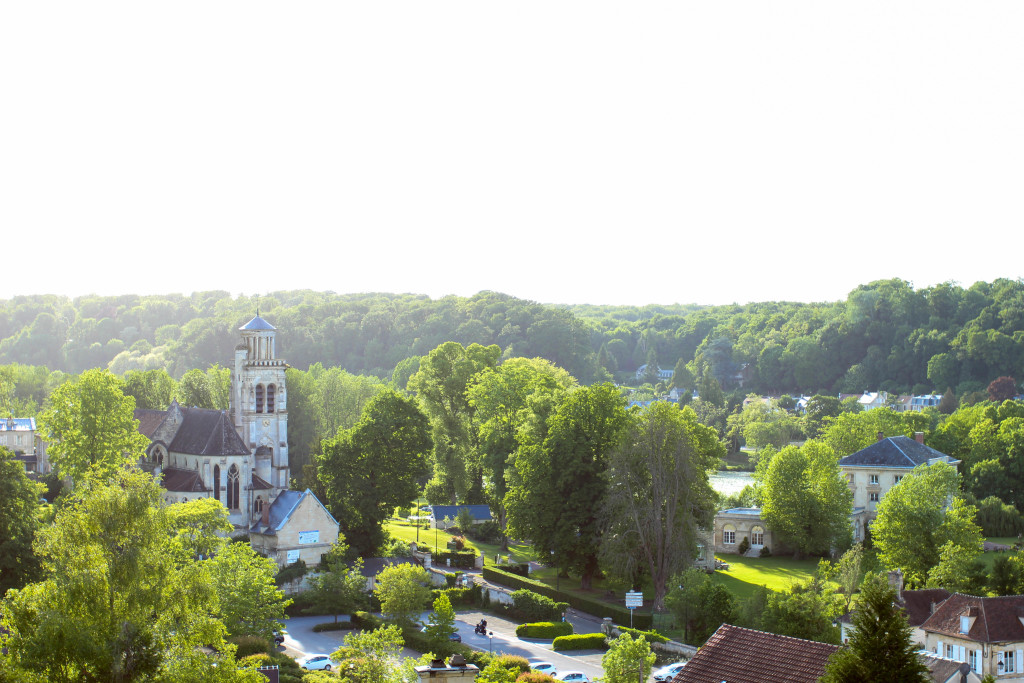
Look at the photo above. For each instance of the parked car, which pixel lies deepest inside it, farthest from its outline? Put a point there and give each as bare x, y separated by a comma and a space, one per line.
314, 662
279, 636
667, 673
454, 637
544, 668
573, 677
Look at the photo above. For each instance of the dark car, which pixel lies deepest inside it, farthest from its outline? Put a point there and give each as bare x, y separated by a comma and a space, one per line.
278, 636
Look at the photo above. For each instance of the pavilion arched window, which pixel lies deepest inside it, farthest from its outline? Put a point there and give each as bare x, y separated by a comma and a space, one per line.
757, 536
233, 488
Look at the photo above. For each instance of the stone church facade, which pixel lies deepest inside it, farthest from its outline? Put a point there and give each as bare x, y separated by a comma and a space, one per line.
238, 456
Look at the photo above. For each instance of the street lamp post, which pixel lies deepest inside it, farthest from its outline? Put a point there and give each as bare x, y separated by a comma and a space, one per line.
490, 642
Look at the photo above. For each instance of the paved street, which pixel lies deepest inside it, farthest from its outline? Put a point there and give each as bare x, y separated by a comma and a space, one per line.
300, 640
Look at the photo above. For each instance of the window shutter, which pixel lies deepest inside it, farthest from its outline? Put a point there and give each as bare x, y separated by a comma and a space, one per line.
963, 654
938, 648
1020, 661
999, 659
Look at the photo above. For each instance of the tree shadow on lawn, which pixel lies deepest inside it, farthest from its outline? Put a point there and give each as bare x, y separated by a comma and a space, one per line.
778, 574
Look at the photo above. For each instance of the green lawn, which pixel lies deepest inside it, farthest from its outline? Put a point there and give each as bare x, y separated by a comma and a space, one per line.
518, 552
777, 573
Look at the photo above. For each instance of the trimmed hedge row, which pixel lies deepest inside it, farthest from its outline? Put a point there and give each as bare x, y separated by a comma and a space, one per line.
649, 636
544, 629
465, 559
582, 641
533, 607
619, 615
334, 626
467, 597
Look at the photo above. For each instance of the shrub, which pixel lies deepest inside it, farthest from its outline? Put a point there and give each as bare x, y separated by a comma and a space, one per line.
460, 543
590, 605
334, 626
366, 621
401, 512
478, 657
295, 570
519, 569
536, 607
649, 636
251, 645
544, 629
450, 578
488, 532
465, 597
460, 560
259, 659
513, 662
535, 677
582, 641
744, 546
766, 551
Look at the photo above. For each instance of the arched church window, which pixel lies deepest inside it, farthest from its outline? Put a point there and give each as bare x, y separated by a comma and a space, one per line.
259, 398
233, 488
216, 483
259, 505
270, 398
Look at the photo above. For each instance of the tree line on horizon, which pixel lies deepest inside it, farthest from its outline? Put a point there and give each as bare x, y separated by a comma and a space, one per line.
886, 335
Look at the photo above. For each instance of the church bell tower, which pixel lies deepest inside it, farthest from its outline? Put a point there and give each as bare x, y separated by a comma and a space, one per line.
259, 402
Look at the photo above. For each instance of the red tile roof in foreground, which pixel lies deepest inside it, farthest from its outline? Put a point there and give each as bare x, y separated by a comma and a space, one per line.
740, 655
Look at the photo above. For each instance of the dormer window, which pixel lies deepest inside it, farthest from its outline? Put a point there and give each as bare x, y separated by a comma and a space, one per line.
965, 624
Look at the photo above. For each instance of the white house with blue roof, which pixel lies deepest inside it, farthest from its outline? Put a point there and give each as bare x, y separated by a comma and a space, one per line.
444, 516
296, 526
19, 436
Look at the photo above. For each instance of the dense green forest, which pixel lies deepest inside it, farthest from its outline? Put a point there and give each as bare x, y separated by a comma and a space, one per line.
886, 335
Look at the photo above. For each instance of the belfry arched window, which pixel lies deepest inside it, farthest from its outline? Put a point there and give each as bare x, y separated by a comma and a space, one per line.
259, 505
270, 398
216, 483
259, 398
757, 536
233, 488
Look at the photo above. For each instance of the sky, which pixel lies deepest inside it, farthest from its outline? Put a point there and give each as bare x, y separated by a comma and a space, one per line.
565, 152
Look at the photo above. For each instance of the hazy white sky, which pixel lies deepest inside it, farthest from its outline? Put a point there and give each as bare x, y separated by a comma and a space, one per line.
569, 152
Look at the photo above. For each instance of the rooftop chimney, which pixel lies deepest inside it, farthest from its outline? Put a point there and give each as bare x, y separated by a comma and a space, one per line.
919, 437
266, 514
457, 671
881, 435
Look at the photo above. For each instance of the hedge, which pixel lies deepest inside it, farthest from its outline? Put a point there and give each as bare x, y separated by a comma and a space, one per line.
334, 626
619, 615
466, 597
649, 636
582, 641
547, 630
531, 606
366, 621
465, 559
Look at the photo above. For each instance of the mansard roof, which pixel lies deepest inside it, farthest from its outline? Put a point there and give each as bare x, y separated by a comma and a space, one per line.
207, 432
996, 620
894, 451
182, 480
257, 323
742, 655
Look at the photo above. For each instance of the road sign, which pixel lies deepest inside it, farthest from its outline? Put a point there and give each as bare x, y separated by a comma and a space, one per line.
634, 599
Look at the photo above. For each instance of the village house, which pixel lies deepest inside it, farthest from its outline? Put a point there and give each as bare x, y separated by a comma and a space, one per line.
296, 526
19, 436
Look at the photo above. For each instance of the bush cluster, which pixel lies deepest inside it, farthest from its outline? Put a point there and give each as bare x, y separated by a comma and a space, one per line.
334, 626
295, 570
582, 641
460, 559
465, 597
289, 670
487, 532
251, 645
649, 636
591, 606
548, 630
536, 607
518, 568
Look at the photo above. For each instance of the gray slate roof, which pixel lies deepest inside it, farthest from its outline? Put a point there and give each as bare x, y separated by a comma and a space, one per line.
207, 432
478, 511
257, 323
894, 451
282, 508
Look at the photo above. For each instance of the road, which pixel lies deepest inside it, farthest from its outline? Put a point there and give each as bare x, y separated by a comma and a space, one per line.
300, 640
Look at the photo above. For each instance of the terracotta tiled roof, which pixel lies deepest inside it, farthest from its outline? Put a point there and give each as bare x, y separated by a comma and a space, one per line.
996, 620
740, 655
917, 605
207, 432
945, 669
149, 420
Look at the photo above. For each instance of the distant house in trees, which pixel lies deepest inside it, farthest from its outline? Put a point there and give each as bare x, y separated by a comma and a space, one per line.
872, 471
873, 399
735, 524
296, 526
19, 436
663, 375
444, 516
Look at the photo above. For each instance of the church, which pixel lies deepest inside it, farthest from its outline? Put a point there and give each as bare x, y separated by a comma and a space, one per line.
238, 456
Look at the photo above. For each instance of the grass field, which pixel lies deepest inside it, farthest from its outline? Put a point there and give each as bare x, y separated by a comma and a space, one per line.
777, 573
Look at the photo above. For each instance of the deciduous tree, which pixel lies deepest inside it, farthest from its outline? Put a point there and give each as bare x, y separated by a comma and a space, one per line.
250, 602
441, 623
90, 427
627, 660
659, 498
403, 591
20, 512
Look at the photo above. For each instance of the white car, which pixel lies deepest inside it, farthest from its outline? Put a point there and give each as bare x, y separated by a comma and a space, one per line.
314, 662
544, 668
667, 673
573, 677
